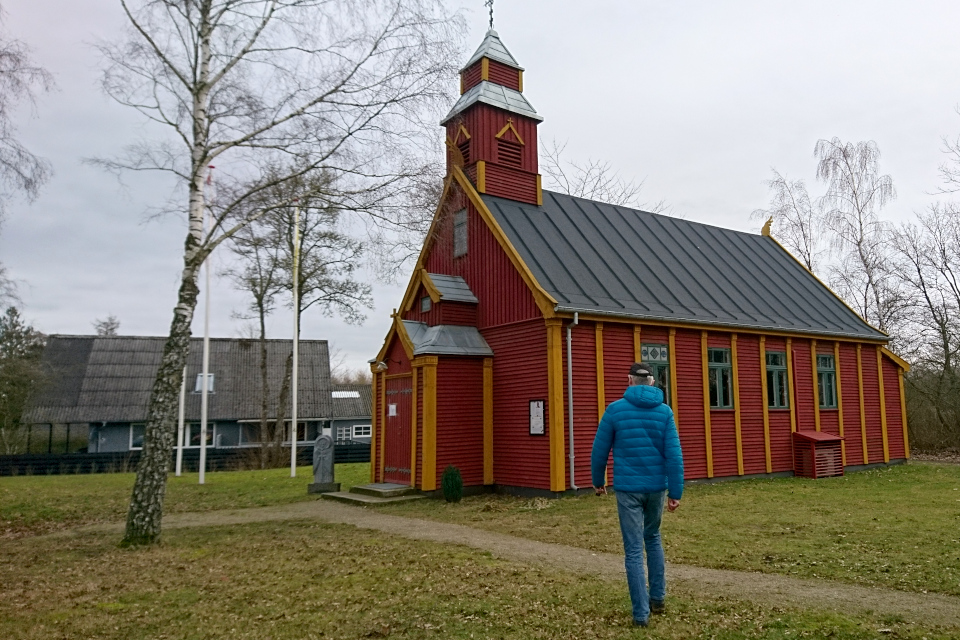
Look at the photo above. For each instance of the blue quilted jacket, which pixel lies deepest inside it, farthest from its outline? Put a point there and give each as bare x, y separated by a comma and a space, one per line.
646, 449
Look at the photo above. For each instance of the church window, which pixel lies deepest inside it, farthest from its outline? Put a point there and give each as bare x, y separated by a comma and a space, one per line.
460, 233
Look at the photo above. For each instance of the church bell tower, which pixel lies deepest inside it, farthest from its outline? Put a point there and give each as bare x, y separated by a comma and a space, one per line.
492, 129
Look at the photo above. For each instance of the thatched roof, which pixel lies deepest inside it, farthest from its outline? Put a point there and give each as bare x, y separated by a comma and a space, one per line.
108, 379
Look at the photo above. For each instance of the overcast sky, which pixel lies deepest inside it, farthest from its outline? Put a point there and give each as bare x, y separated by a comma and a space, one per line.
699, 99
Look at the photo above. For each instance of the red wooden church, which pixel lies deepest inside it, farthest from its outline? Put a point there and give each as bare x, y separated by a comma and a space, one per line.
527, 307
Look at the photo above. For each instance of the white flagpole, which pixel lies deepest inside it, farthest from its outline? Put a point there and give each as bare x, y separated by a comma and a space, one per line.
183, 399
204, 400
296, 340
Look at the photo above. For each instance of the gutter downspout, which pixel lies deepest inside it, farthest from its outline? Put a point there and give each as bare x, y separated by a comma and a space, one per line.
576, 321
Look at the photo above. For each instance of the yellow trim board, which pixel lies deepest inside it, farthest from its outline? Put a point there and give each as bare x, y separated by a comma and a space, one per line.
488, 421
555, 404
903, 364
791, 385
816, 385
736, 403
594, 317
636, 343
903, 416
672, 357
836, 365
706, 403
509, 127
484, 69
766, 404
481, 176
863, 415
429, 456
883, 406
374, 426
520, 80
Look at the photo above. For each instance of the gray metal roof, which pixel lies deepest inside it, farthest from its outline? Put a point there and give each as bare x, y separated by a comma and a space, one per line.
493, 48
452, 288
609, 260
446, 340
495, 95
359, 407
109, 379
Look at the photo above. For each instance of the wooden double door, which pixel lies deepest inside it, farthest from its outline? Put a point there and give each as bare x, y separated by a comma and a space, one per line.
398, 430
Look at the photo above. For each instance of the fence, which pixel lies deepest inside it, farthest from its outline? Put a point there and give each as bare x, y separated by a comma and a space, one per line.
124, 461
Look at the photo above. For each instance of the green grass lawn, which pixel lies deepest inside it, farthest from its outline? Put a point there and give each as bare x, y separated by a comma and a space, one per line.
300, 580
36, 504
897, 527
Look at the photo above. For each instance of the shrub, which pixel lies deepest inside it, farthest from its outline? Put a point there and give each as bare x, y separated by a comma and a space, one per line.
452, 484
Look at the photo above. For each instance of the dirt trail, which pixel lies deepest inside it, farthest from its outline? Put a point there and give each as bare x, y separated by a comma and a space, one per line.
761, 588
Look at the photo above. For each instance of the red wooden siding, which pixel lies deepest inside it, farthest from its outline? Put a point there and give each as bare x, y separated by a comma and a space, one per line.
507, 182
397, 358
462, 313
654, 335
519, 376
724, 438
502, 74
503, 296
617, 358
781, 442
584, 399
803, 386
690, 403
751, 404
891, 390
431, 317
460, 417
847, 373
829, 418
471, 76
871, 403
484, 123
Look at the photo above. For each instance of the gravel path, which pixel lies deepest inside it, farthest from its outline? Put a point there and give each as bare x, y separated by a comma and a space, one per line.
760, 588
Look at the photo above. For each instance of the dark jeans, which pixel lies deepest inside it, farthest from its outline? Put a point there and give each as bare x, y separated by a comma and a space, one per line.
640, 515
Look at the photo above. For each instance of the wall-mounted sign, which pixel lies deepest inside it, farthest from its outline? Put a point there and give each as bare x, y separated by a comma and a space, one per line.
536, 418
392, 410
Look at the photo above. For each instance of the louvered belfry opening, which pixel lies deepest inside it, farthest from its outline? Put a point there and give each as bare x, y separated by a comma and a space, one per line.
817, 454
508, 153
464, 147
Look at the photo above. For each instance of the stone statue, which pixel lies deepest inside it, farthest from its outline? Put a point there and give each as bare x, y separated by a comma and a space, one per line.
323, 466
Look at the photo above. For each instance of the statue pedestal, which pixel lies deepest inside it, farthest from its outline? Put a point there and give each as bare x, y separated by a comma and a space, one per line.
323, 487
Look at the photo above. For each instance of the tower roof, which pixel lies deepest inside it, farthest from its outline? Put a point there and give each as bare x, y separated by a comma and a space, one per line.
494, 95
493, 48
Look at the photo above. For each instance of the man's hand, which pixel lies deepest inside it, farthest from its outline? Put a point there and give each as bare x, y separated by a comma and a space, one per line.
600, 491
672, 504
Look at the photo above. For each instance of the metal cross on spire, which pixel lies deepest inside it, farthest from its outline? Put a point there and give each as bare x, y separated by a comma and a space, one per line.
489, 3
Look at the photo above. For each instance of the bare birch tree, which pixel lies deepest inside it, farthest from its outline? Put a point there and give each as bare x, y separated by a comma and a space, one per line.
337, 85
593, 179
797, 222
20, 79
856, 192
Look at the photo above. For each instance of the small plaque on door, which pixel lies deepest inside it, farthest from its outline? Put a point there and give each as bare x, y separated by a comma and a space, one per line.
392, 410
536, 418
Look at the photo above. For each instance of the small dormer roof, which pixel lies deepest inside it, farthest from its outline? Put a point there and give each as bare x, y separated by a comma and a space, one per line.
493, 48
494, 95
452, 288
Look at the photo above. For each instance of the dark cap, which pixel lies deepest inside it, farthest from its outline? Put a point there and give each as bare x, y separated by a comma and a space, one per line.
641, 369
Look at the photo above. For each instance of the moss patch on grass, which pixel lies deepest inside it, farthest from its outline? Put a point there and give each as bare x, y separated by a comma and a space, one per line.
38, 504
309, 580
896, 527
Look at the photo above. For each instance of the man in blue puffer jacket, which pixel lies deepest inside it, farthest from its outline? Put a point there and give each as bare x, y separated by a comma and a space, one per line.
646, 461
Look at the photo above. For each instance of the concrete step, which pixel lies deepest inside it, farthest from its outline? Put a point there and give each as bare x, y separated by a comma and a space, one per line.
384, 490
360, 498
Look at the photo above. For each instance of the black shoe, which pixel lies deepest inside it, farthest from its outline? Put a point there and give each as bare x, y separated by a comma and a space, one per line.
640, 623
657, 607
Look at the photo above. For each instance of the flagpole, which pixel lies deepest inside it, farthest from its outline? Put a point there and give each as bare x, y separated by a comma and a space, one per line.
205, 388
296, 340
183, 398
